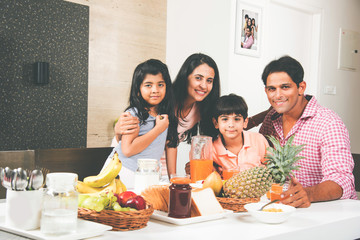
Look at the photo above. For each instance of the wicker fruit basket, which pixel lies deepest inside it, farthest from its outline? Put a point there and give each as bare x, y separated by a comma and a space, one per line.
120, 221
236, 205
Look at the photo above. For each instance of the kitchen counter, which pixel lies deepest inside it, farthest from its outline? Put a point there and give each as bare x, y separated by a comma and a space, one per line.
326, 220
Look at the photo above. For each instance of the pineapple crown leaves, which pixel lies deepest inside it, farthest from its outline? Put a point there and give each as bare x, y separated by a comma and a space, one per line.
280, 160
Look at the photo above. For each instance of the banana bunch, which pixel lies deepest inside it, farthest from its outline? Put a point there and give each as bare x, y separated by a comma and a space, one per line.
105, 181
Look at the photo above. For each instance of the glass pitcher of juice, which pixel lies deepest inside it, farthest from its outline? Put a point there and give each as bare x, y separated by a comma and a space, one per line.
201, 164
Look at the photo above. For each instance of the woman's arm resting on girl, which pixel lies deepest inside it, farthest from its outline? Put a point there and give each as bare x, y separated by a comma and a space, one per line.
126, 124
132, 144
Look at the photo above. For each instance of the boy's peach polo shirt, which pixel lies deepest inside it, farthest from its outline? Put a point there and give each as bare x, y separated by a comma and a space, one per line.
251, 155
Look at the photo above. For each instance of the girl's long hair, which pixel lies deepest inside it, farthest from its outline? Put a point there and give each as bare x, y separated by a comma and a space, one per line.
181, 93
154, 67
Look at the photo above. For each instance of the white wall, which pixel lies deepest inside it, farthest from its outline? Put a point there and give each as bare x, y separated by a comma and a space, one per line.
208, 26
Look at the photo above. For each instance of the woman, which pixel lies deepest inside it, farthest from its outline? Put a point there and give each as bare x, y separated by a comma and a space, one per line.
196, 89
254, 28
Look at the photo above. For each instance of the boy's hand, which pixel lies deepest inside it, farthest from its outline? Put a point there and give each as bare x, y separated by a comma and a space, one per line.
162, 122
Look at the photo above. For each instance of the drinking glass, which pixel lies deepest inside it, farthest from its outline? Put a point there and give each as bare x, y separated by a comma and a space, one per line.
201, 164
228, 172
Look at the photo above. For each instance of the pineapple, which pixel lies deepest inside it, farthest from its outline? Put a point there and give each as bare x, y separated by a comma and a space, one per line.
281, 160
255, 182
250, 183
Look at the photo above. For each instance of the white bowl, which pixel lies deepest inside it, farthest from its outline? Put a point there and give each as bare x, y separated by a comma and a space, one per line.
270, 217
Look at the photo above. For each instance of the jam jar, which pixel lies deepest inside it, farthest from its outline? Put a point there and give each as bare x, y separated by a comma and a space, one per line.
180, 196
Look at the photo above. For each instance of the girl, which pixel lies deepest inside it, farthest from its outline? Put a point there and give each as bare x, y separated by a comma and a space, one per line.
151, 102
234, 148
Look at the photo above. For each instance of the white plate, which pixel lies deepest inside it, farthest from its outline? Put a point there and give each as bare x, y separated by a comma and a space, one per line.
163, 216
85, 229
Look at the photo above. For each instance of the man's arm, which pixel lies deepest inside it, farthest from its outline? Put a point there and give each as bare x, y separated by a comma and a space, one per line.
298, 196
336, 166
337, 163
257, 119
324, 191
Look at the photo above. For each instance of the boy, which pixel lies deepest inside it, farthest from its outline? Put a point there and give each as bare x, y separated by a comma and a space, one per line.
232, 146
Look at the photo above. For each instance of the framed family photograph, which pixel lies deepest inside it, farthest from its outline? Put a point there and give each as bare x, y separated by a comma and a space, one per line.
248, 29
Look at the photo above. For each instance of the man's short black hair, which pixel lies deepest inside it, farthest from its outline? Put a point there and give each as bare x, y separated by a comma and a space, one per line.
285, 64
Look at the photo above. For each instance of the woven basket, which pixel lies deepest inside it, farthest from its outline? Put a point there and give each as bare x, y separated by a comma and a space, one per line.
120, 221
236, 205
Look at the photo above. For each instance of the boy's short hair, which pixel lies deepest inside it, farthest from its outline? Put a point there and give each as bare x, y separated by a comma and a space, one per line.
230, 104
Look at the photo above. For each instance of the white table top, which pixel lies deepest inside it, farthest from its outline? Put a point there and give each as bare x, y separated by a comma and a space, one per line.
327, 220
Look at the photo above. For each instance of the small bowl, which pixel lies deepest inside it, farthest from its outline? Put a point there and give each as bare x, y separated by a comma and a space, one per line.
270, 217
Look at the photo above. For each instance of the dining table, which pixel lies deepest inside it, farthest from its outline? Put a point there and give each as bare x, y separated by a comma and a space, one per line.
339, 219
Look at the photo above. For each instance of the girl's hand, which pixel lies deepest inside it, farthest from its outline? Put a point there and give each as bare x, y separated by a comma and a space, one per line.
127, 124
162, 122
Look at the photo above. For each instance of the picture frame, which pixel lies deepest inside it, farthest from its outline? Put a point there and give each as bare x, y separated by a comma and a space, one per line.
246, 44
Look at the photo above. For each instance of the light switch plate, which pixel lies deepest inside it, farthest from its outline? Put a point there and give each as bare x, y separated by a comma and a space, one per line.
330, 90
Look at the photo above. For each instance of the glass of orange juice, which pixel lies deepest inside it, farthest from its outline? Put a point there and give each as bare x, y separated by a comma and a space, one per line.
228, 172
201, 164
277, 189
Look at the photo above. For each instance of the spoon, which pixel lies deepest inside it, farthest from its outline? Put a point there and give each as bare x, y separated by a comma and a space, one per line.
13, 177
36, 179
21, 181
7, 178
273, 201
2, 174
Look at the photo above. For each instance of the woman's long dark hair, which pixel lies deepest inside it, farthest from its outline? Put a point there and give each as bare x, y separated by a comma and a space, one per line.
154, 67
180, 90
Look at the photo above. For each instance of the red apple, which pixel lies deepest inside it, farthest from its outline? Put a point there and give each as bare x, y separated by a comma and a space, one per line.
124, 196
137, 202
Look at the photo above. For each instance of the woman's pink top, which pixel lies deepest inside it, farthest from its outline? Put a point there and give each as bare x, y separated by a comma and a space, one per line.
189, 122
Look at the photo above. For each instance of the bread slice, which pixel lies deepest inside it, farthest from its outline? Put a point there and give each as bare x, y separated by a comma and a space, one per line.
158, 196
204, 203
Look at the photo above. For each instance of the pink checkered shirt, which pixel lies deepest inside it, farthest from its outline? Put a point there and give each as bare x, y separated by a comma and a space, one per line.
327, 151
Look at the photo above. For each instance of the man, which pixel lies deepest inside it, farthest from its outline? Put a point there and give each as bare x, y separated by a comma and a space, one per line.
249, 39
326, 170
245, 24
